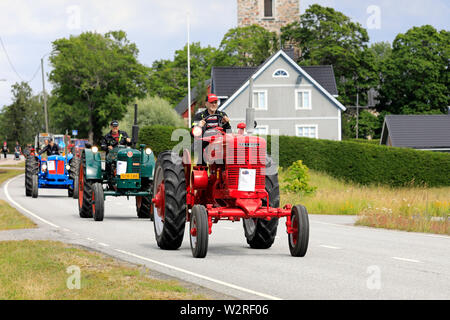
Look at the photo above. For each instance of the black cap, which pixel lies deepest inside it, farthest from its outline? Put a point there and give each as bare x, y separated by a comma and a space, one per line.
115, 123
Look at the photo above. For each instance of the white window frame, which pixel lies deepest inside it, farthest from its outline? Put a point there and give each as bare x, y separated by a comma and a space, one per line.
266, 99
297, 101
298, 126
262, 126
278, 70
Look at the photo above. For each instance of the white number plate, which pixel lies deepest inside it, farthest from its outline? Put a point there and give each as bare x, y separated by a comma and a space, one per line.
247, 180
51, 166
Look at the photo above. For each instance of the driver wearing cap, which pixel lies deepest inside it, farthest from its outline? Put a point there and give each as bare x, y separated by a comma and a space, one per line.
212, 104
209, 119
115, 137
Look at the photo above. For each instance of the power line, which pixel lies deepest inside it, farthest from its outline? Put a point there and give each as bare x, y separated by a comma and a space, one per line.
12, 65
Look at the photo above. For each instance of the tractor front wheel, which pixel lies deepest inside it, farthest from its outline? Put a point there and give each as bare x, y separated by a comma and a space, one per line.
144, 204
85, 195
199, 231
299, 238
98, 202
169, 203
35, 186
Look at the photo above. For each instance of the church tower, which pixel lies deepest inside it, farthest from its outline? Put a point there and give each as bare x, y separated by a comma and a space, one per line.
270, 14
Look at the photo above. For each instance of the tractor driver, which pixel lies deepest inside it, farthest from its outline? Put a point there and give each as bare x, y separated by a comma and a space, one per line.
51, 148
212, 121
115, 137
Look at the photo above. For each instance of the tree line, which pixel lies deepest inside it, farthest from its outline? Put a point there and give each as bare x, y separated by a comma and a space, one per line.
97, 77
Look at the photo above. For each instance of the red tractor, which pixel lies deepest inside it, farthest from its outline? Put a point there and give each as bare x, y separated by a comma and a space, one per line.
240, 181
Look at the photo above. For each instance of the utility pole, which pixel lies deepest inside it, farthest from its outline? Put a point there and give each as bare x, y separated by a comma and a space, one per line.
189, 68
45, 95
357, 114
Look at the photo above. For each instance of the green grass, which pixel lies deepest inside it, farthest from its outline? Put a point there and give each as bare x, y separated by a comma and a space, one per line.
11, 219
37, 270
409, 208
8, 174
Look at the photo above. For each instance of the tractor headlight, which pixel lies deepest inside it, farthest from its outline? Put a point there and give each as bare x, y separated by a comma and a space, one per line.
94, 149
67, 167
44, 167
148, 151
197, 131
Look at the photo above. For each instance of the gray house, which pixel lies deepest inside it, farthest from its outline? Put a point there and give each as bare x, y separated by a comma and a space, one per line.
289, 99
422, 132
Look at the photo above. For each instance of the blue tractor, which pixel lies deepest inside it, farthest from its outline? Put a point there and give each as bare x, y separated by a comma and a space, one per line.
55, 172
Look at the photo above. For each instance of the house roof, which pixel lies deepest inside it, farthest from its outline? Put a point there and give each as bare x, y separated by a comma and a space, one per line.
417, 131
183, 105
226, 80
324, 75
301, 70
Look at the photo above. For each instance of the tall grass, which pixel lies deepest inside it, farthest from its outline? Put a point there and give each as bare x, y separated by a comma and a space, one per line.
409, 208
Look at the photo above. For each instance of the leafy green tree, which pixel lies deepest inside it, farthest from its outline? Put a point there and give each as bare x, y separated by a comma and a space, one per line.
416, 78
151, 111
169, 78
24, 118
95, 77
328, 37
247, 46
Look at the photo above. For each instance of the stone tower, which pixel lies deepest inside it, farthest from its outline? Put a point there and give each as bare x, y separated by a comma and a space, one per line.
270, 14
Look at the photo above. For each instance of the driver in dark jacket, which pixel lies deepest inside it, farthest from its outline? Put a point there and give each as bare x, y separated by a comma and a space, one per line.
214, 118
114, 138
51, 148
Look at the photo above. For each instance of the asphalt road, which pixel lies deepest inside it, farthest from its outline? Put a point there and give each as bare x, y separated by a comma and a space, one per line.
343, 261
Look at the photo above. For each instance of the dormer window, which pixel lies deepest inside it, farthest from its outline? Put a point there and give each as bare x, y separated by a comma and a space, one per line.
280, 73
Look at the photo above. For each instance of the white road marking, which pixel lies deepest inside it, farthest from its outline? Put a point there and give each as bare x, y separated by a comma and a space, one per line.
201, 276
90, 239
22, 208
404, 259
330, 247
103, 244
67, 230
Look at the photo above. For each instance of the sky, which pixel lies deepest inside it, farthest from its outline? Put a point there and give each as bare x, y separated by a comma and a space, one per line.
159, 28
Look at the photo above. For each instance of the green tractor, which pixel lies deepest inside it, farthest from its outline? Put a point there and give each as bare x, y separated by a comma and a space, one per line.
125, 172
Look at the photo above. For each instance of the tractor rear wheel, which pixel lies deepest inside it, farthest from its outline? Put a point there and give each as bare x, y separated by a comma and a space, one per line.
98, 202
298, 240
169, 207
199, 231
261, 233
144, 204
85, 195
31, 167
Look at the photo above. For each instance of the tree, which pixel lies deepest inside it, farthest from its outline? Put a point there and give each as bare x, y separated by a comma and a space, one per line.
328, 37
169, 79
415, 77
247, 46
95, 77
151, 111
23, 119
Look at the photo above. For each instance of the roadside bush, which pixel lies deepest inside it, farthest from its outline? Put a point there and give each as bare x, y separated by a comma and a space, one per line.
362, 163
297, 179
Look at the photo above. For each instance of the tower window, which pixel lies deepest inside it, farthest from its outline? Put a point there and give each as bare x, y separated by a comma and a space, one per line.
268, 8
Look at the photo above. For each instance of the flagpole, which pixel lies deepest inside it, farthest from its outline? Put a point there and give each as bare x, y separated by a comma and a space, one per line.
189, 69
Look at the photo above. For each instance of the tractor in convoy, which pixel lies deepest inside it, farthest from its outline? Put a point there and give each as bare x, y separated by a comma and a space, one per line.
240, 181
125, 172
53, 172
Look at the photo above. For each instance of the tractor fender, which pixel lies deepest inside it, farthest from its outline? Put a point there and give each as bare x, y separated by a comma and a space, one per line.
92, 165
148, 165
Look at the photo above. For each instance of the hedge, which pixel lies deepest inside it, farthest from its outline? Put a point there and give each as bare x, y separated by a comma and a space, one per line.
354, 162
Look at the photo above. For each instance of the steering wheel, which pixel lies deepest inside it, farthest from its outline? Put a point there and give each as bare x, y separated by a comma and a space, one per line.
219, 120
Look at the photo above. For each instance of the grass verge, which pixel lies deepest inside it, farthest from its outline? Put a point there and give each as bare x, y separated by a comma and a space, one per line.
17, 165
416, 209
11, 219
38, 270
